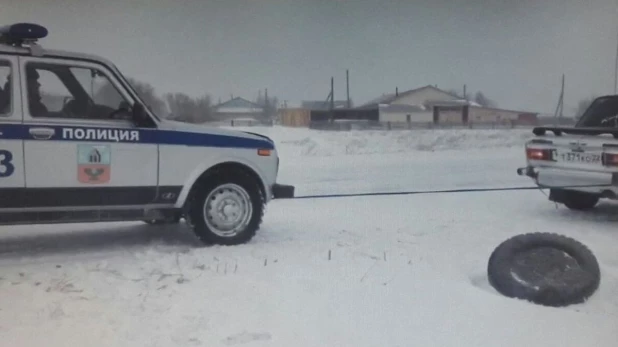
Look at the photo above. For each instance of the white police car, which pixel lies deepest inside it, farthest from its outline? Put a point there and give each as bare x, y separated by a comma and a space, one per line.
78, 145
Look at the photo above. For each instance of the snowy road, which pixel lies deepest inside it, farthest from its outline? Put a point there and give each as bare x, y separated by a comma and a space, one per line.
360, 162
373, 271
410, 171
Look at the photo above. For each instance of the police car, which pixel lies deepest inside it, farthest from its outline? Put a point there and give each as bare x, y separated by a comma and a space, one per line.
77, 144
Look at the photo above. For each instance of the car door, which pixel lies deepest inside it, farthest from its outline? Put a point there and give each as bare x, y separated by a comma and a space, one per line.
12, 181
76, 154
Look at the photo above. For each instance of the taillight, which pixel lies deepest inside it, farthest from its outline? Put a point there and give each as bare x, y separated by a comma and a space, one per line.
538, 154
609, 159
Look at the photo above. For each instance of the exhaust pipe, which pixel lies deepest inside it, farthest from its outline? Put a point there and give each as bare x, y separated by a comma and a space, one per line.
527, 171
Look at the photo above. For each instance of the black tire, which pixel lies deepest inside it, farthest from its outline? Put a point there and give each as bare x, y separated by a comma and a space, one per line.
579, 201
213, 182
575, 284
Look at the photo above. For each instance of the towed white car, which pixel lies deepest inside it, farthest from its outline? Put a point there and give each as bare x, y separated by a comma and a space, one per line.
578, 164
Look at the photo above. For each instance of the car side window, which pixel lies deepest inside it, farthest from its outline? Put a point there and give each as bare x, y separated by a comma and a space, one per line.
63, 91
51, 93
6, 94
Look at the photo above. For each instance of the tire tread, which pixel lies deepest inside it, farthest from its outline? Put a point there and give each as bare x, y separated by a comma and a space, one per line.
499, 270
217, 178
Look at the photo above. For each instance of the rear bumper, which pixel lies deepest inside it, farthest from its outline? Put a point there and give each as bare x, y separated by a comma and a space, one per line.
601, 183
282, 191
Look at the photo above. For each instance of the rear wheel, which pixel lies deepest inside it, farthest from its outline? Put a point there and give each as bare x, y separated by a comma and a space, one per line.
227, 208
579, 201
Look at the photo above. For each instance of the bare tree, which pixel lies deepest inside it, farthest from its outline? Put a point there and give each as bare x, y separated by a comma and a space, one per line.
269, 105
180, 106
484, 101
186, 109
147, 93
203, 108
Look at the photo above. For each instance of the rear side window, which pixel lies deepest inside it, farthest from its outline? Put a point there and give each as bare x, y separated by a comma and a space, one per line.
5, 88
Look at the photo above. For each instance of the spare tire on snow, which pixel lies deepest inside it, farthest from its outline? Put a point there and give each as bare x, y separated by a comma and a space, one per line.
544, 268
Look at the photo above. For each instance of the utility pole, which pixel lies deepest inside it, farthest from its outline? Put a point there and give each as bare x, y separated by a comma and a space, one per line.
266, 108
559, 107
616, 66
332, 93
347, 86
562, 98
464, 95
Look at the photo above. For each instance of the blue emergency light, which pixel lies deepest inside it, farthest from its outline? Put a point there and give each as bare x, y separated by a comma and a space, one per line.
22, 32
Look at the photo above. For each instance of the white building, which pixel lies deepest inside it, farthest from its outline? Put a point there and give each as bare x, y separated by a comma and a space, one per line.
237, 109
429, 104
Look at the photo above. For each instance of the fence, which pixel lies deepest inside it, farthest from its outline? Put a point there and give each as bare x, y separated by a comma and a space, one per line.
241, 123
363, 125
346, 125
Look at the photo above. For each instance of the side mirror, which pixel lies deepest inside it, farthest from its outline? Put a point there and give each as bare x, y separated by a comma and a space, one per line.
140, 116
125, 106
139, 112
66, 100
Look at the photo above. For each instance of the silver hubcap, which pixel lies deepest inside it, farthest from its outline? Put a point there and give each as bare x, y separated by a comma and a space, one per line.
227, 210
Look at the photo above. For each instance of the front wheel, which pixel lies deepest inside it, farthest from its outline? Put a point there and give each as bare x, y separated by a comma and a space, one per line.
227, 209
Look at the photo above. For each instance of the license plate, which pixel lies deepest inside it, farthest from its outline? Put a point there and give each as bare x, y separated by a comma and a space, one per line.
577, 157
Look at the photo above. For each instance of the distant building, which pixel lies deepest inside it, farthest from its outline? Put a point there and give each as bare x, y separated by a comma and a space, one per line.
298, 114
429, 104
294, 117
237, 109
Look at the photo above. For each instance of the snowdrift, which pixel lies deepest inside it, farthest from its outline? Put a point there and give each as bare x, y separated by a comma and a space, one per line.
308, 142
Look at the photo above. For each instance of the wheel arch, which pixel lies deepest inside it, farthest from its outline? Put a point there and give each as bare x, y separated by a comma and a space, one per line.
202, 172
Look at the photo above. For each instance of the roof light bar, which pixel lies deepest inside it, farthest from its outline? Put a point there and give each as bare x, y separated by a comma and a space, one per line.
19, 33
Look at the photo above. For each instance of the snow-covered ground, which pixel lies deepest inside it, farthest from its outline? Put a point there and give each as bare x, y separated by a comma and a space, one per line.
371, 271
368, 161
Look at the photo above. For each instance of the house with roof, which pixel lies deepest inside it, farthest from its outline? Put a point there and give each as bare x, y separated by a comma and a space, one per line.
414, 105
430, 104
299, 114
237, 109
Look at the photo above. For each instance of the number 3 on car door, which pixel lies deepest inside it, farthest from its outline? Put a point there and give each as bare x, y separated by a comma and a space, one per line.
11, 143
6, 165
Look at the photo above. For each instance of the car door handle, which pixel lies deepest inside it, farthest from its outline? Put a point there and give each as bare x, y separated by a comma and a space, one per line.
42, 133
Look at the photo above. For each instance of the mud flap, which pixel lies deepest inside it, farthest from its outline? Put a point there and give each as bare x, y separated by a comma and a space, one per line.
283, 191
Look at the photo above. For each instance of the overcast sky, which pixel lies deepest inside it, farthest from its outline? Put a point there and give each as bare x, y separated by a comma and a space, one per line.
514, 51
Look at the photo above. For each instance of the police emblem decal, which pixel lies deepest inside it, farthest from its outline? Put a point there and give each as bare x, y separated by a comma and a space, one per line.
93, 164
